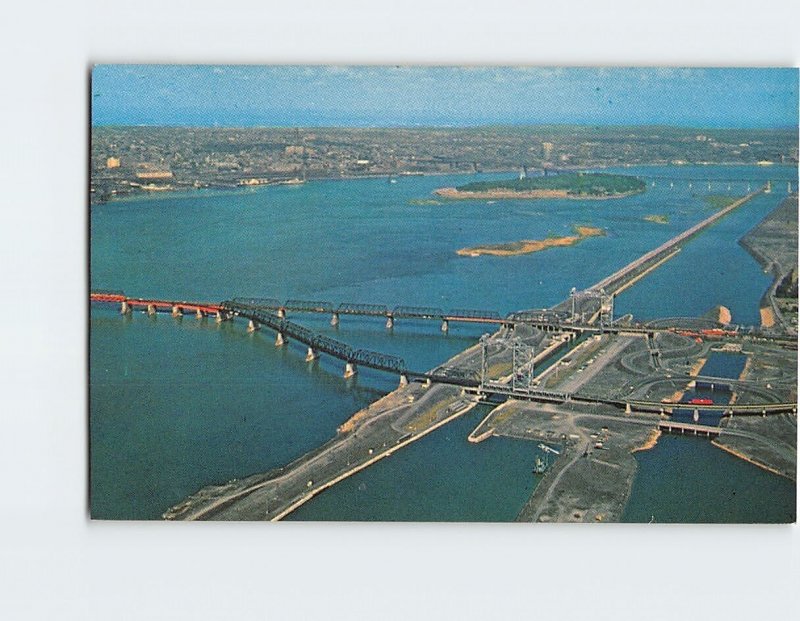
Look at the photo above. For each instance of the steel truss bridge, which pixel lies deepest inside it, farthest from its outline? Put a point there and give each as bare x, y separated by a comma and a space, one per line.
543, 319
259, 314
372, 310
321, 343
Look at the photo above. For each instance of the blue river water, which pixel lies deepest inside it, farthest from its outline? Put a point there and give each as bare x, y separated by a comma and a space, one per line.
180, 403
690, 480
441, 492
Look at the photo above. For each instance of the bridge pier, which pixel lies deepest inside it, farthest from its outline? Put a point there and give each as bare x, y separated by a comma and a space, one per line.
403, 380
627, 408
350, 370
280, 340
151, 309
176, 311
445, 325
282, 313
311, 355
198, 313
125, 308
696, 415
252, 326
389, 322
219, 317
335, 319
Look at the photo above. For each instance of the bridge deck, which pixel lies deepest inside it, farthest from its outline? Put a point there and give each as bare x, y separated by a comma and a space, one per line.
394, 364
670, 427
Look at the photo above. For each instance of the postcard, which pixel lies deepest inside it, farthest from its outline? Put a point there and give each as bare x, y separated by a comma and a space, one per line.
433, 293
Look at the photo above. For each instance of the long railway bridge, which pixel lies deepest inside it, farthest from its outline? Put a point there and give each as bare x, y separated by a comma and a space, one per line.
262, 315
547, 320
374, 310
272, 314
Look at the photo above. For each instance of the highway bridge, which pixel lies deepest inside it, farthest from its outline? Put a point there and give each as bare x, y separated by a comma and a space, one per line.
631, 405
690, 428
257, 316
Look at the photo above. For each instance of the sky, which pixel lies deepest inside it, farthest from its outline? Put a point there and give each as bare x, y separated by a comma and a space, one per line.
367, 96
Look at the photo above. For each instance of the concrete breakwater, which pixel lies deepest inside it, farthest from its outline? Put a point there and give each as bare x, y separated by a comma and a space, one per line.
385, 429
374, 433
617, 280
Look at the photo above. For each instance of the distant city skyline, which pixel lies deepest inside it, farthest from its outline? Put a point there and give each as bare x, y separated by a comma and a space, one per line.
382, 96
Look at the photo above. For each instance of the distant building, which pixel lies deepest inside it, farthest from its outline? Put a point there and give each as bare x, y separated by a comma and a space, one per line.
112, 162
154, 174
150, 171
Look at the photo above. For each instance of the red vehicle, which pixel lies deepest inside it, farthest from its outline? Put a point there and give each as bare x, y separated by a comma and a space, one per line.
699, 401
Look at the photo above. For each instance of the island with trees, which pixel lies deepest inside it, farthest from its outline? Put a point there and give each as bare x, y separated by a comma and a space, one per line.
572, 185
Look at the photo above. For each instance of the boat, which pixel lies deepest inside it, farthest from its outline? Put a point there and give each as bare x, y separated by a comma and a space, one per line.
701, 401
540, 466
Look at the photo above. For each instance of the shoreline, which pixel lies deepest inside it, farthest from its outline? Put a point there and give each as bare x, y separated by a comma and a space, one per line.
383, 454
649, 443
749, 460
189, 191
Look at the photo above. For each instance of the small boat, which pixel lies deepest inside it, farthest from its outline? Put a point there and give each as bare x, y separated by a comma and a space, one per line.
540, 466
701, 401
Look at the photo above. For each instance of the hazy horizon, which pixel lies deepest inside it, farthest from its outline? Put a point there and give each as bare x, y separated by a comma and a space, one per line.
520, 126
419, 97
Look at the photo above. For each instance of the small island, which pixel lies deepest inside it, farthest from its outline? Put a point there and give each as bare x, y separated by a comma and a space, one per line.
657, 218
424, 201
527, 246
575, 186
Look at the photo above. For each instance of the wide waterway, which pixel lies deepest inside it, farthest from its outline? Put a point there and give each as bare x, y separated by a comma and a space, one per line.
178, 404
